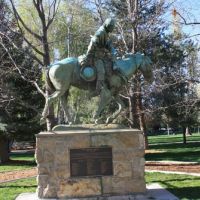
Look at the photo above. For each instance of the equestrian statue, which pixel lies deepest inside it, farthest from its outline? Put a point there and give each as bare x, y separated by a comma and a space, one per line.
98, 71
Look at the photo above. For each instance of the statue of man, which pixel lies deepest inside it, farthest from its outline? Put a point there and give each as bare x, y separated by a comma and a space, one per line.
100, 53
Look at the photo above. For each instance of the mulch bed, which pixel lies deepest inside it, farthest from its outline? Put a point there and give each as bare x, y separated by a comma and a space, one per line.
182, 167
18, 174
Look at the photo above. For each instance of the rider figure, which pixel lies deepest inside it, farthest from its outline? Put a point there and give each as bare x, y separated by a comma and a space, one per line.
100, 53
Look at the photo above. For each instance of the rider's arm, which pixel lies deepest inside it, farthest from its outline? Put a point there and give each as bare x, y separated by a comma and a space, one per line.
92, 46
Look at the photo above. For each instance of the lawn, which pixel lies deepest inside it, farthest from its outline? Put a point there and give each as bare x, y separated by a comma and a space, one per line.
183, 186
9, 191
19, 161
159, 139
168, 149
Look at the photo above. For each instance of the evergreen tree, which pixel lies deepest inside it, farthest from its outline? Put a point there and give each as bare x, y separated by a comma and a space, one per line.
20, 102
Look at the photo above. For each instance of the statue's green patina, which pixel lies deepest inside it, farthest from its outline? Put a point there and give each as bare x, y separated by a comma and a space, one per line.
97, 71
66, 73
101, 53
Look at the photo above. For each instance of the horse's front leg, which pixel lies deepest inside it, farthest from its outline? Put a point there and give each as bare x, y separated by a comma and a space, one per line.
116, 113
105, 98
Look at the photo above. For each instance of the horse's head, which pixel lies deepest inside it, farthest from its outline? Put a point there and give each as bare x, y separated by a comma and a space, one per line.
144, 64
146, 68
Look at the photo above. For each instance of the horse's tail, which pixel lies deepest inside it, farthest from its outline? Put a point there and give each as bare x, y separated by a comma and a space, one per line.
49, 84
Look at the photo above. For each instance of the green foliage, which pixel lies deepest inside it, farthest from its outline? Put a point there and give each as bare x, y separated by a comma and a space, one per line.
18, 108
81, 106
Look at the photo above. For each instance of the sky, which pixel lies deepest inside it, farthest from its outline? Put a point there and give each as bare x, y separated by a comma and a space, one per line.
190, 10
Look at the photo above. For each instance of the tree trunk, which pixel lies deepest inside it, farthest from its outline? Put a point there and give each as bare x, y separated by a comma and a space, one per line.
46, 59
187, 131
184, 136
139, 111
4, 150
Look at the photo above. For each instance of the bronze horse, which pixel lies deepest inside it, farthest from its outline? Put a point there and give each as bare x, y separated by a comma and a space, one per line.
66, 73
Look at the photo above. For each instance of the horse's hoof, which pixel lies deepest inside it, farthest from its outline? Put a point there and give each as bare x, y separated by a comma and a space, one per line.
42, 121
108, 120
96, 121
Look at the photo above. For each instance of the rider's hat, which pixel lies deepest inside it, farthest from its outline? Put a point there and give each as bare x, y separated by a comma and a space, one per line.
109, 24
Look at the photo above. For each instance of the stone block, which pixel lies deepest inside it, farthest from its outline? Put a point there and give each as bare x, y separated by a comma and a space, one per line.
62, 171
141, 141
79, 188
48, 156
42, 180
62, 157
115, 140
127, 154
122, 169
53, 159
42, 169
118, 185
50, 191
138, 167
79, 141
39, 157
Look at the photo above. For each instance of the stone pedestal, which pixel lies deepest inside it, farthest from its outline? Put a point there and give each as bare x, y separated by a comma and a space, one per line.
53, 162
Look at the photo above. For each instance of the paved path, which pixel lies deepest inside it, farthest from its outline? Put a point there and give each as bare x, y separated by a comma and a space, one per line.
154, 191
173, 172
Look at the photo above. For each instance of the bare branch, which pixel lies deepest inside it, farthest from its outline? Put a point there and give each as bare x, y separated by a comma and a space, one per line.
55, 9
19, 19
20, 72
185, 22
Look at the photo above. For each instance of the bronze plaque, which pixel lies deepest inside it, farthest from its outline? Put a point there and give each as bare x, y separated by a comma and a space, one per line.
91, 162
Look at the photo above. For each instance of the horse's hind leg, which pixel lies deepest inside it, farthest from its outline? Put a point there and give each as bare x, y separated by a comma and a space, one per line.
63, 100
49, 101
116, 113
105, 98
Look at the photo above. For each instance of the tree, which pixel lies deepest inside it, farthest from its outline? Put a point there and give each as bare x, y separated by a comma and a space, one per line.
173, 96
46, 12
139, 22
19, 114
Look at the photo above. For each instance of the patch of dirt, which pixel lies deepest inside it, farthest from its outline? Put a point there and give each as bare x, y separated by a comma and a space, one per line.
12, 175
182, 167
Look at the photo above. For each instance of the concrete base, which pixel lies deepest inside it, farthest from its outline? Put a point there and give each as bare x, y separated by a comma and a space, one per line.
154, 191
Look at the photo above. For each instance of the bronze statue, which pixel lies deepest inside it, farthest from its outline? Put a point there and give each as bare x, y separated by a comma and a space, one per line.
66, 73
101, 54
94, 72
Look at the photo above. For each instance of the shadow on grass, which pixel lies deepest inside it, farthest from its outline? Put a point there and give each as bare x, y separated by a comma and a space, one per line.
176, 152
174, 156
17, 186
186, 188
189, 193
175, 146
19, 163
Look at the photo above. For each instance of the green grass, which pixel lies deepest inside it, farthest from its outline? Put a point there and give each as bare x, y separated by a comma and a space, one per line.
175, 152
158, 139
9, 191
19, 161
166, 148
183, 186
